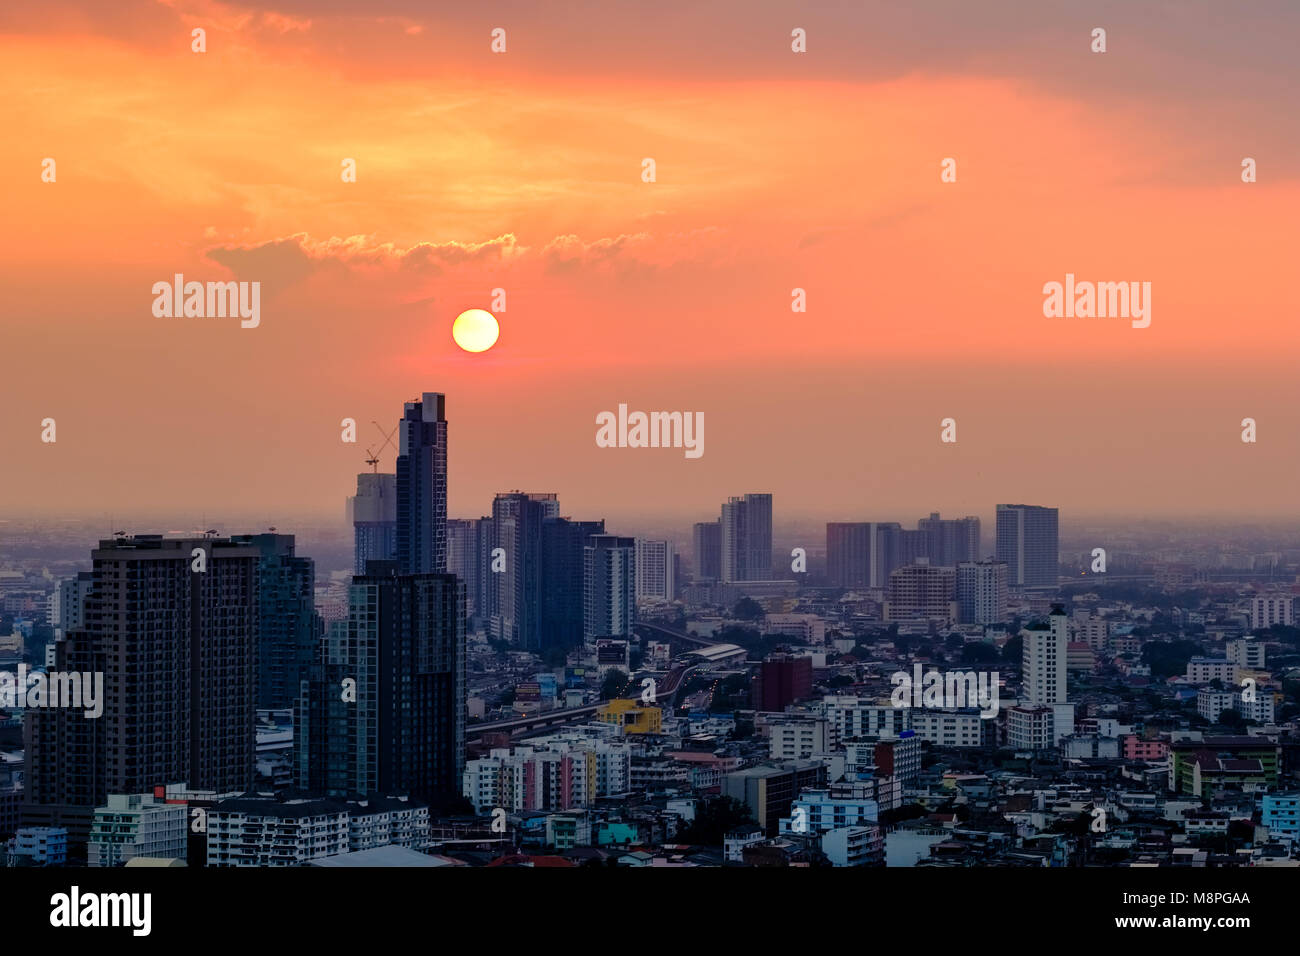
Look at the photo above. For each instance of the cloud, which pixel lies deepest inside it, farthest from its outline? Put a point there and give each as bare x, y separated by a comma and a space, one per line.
295, 257
292, 258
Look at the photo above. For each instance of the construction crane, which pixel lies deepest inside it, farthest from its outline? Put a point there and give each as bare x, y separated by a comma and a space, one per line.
372, 458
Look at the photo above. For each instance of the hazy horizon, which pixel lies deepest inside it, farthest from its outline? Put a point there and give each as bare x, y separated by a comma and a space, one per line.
776, 172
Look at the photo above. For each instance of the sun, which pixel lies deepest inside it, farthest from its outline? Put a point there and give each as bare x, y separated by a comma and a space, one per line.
475, 330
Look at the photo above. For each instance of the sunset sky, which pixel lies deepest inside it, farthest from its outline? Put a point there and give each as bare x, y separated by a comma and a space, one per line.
775, 170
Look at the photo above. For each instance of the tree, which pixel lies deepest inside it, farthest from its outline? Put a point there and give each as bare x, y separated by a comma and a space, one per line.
980, 653
1013, 651
715, 817
613, 685
747, 609
1230, 718
1168, 659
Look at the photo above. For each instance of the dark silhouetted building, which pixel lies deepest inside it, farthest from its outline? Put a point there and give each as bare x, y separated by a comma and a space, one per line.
372, 512
289, 630
422, 487
1027, 542
609, 578
780, 681
708, 551
403, 731
564, 542
172, 625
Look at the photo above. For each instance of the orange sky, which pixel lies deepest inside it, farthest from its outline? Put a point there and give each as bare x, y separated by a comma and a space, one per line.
775, 171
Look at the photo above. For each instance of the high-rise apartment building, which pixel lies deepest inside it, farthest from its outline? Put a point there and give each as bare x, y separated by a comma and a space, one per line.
422, 487
1044, 651
610, 586
848, 553
921, 591
289, 630
399, 727
563, 597
949, 542
981, 592
69, 600
372, 512
747, 538
655, 570
1046, 716
1027, 540
470, 561
515, 609
172, 625
708, 551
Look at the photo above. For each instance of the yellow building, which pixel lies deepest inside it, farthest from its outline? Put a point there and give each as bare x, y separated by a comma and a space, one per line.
631, 716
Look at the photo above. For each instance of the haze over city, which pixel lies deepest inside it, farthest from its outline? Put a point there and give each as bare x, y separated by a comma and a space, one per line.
775, 172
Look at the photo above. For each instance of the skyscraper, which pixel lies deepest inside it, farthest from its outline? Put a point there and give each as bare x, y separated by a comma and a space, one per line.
1027, 542
950, 541
848, 553
563, 597
863, 553
289, 629
172, 626
404, 730
708, 551
747, 538
1045, 715
1043, 677
655, 569
373, 514
69, 603
610, 583
515, 612
981, 592
467, 560
422, 487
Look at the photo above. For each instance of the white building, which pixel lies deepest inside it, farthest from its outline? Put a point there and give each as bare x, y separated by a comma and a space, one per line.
655, 580
816, 811
1031, 728
1044, 660
799, 736
852, 846
809, 628
734, 843
948, 728
1211, 703
1247, 654
855, 717
1269, 609
256, 832
259, 831
1203, 670
981, 592
132, 825
1043, 680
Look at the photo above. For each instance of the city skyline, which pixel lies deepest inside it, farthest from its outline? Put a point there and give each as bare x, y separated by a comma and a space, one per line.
358, 512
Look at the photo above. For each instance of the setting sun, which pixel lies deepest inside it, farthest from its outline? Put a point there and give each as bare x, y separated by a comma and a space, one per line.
475, 330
